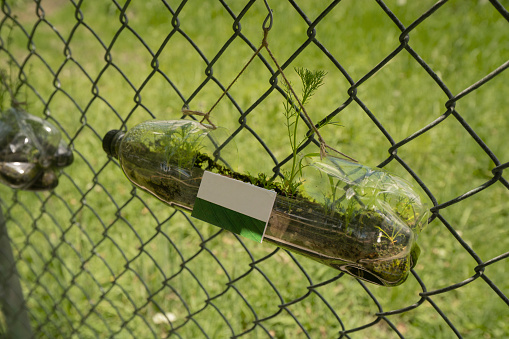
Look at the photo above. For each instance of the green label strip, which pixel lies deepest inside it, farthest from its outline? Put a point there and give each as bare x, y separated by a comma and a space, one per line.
232, 221
234, 205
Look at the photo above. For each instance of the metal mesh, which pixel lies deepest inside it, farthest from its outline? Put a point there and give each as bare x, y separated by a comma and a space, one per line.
98, 258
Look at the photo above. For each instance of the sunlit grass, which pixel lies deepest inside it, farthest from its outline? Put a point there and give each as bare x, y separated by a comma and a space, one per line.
112, 257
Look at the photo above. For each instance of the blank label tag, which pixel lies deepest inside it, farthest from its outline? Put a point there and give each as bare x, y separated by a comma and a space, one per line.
234, 205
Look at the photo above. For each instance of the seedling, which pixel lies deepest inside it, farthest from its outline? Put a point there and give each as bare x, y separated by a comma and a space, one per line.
181, 147
392, 238
311, 82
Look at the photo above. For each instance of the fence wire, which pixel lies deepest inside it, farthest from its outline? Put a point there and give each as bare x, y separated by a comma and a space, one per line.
97, 258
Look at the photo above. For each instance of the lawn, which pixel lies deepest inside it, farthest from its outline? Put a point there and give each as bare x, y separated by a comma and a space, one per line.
98, 258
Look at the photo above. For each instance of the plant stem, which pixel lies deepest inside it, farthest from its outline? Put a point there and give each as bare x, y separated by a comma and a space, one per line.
311, 81
295, 148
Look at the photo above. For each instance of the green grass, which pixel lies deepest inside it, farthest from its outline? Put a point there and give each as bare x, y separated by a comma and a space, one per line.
79, 246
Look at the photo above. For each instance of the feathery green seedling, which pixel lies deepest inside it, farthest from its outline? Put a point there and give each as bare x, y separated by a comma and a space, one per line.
311, 82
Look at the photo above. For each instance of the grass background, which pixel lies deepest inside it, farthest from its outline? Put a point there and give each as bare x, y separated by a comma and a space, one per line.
97, 257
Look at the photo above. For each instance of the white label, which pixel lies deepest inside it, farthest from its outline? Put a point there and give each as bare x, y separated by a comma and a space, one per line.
236, 195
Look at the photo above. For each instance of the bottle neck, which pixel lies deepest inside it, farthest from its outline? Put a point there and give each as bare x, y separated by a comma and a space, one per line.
115, 146
111, 142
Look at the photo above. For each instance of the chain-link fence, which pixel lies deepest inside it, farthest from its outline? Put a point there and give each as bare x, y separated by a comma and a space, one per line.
418, 88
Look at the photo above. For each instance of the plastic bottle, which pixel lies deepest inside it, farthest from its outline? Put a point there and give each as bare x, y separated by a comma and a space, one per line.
31, 150
356, 219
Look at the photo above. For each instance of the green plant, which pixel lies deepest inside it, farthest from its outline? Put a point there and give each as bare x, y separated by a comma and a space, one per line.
350, 212
404, 209
392, 237
181, 147
331, 201
262, 180
311, 82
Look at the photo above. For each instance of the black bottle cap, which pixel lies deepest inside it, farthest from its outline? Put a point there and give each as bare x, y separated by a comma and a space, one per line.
108, 142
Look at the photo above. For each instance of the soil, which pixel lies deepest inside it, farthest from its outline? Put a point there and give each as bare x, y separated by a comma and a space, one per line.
304, 229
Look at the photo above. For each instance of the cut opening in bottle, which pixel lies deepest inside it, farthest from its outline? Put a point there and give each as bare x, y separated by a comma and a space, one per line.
363, 274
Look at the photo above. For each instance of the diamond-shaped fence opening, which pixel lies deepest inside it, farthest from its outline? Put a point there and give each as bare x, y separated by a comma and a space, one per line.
417, 88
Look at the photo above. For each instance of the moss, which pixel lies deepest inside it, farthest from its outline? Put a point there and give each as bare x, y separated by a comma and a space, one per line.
205, 162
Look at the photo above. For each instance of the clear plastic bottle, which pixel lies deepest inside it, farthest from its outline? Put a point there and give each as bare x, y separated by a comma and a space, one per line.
167, 158
31, 150
359, 220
